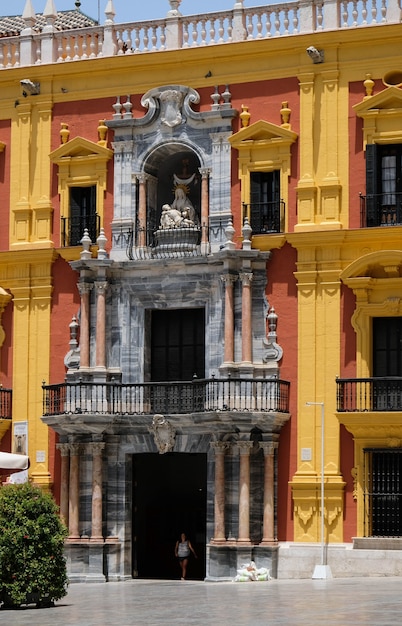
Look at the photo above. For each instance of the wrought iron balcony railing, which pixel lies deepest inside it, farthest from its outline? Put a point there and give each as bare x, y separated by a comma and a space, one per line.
382, 209
198, 396
72, 229
265, 217
369, 394
6, 396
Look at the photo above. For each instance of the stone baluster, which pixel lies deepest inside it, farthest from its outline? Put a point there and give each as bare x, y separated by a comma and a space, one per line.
229, 280
219, 448
268, 524
244, 491
64, 480
74, 492
100, 357
96, 531
84, 289
246, 334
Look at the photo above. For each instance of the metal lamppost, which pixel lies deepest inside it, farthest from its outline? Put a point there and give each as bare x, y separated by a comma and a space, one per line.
323, 570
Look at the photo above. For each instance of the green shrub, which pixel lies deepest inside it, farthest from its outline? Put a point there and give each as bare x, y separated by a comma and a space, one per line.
32, 562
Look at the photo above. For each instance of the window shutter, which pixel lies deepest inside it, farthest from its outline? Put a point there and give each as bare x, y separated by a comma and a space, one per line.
372, 218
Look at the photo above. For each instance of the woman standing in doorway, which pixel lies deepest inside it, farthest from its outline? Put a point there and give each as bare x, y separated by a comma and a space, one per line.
182, 552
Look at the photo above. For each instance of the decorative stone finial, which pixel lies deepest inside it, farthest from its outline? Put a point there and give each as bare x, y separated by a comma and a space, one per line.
174, 8
247, 231
244, 116
86, 244
64, 132
229, 232
101, 241
102, 133
117, 107
285, 115
369, 86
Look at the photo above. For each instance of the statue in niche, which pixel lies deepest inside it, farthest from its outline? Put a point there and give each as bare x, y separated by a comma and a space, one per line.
181, 213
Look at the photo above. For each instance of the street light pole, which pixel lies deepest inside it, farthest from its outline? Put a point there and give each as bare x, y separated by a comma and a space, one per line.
323, 570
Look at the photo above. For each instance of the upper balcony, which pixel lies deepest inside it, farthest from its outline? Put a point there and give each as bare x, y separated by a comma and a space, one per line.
369, 394
77, 406
44, 41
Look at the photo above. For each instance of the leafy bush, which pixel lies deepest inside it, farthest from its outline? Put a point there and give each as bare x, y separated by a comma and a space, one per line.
32, 563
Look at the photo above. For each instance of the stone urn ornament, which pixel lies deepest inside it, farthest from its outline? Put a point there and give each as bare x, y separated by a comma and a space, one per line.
174, 7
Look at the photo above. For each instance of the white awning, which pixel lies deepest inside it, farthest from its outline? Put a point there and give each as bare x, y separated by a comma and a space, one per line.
13, 461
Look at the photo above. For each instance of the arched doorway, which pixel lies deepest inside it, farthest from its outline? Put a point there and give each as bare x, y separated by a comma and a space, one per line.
169, 497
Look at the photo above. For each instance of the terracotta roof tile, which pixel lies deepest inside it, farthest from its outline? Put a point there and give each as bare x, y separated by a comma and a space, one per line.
66, 20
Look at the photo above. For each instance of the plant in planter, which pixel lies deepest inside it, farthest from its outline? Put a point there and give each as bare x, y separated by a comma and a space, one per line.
32, 562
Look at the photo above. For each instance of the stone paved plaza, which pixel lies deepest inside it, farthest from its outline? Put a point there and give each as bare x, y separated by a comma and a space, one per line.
340, 602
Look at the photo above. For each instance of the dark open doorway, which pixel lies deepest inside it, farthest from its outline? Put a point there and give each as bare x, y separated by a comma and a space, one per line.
169, 498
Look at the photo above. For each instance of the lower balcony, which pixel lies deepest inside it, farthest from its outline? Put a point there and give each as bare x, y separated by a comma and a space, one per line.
369, 394
85, 405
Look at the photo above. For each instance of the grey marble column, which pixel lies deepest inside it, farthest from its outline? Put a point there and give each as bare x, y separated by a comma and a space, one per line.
219, 498
268, 533
100, 355
228, 280
84, 289
246, 316
74, 492
244, 491
64, 480
96, 528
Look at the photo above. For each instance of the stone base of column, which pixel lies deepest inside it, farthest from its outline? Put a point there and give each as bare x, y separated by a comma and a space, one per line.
243, 542
218, 542
96, 540
268, 542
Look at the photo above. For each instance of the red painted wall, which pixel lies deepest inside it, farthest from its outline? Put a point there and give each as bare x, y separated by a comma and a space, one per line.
282, 295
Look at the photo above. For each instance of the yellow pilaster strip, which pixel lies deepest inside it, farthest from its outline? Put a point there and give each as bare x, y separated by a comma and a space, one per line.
42, 208
30, 283
20, 170
319, 291
306, 188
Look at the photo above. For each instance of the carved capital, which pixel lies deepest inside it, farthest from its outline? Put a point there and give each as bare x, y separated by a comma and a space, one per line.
246, 278
101, 287
228, 279
219, 447
244, 447
96, 447
75, 449
268, 447
84, 288
64, 448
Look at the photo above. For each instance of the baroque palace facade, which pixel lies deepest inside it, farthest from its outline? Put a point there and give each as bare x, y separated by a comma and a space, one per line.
201, 283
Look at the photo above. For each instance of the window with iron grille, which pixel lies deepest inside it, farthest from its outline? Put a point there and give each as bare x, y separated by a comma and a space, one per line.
265, 202
383, 185
383, 492
82, 216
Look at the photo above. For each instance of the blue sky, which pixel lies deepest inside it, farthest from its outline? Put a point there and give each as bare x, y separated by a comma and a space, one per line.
128, 10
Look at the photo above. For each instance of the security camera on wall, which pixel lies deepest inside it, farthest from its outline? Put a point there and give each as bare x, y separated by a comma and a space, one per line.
29, 88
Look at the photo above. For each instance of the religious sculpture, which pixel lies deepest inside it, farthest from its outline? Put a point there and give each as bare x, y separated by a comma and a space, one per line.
181, 213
